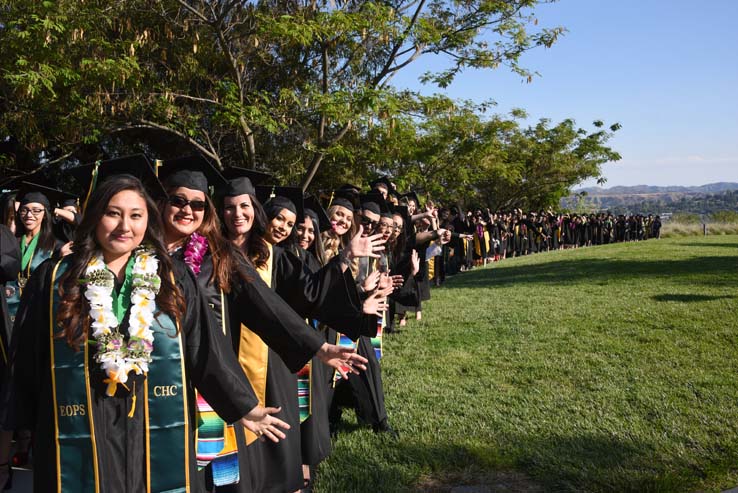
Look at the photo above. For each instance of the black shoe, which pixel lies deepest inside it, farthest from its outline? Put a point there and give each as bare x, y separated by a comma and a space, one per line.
384, 427
8, 482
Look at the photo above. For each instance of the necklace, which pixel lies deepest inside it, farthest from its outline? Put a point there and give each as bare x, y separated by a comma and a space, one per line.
196, 248
116, 355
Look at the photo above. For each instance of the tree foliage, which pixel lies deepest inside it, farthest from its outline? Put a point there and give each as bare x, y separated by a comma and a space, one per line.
271, 83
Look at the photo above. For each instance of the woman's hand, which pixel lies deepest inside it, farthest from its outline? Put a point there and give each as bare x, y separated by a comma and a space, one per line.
262, 424
66, 249
371, 282
366, 246
385, 281
376, 303
397, 280
342, 359
414, 263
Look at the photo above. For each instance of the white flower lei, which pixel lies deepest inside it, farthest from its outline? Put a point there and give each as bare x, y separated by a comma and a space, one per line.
116, 355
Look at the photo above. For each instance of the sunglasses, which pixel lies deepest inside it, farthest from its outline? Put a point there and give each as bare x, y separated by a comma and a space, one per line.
181, 203
365, 221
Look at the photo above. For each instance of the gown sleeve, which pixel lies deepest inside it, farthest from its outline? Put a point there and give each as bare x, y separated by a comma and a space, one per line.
255, 305
213, 367
9, 255
30, 349
311, 293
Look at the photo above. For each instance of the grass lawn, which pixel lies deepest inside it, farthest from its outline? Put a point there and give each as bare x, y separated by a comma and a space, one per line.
612, 368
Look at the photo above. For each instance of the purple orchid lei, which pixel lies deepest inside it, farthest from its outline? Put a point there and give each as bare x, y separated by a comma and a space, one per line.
195, 251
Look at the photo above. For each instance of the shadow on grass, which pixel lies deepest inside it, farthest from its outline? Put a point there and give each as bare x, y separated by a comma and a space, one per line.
709, 244
690, 298
597, 271
586, 463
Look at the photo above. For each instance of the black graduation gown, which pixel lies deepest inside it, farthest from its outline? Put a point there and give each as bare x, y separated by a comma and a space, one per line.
275, 467
210, 367
315, 430
365, 391
10, 261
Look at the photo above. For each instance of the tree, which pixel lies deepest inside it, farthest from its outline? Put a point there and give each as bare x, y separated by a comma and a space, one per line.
280, 83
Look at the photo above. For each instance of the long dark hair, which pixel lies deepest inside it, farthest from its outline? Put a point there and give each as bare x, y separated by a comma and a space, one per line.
289, 243
219, 247
73, 313
46, 238
255, 249
317, 246
7, 209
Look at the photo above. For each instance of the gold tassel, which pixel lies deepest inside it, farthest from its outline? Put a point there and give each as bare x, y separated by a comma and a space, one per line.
133, 402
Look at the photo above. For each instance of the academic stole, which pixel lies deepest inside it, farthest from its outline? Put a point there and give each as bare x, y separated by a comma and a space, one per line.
166, 418
304, 385
253, 354
216, 439
13, 300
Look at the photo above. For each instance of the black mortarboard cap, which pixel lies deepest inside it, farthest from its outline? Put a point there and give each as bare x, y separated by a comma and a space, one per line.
312, 205
90, 175
414, 196
402, 210
275, 198
382, 180
33, 192
193, 172
374, 197
255, 177
346, 196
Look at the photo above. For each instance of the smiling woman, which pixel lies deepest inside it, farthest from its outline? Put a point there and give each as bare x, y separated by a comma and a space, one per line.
105, 350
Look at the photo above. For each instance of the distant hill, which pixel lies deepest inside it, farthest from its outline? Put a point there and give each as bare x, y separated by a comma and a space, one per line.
648, 189
703, 199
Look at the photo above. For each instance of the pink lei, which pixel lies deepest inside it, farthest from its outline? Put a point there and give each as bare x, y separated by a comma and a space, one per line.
197, 247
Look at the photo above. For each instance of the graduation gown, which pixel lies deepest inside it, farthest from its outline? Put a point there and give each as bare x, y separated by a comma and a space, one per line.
208, 365
364, 392
9, 267
275, 467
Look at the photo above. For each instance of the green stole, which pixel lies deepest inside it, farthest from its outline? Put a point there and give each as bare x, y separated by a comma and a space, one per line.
37, 258
166, 419
27, 251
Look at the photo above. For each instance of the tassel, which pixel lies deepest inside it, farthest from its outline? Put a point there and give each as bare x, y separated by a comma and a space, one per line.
133, 402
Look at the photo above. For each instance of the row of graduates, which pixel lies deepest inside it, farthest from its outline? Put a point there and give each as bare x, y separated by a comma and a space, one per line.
194, 341
509, 234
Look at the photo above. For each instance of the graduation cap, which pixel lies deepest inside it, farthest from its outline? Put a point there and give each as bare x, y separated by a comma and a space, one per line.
382, 181
402, 210
193, 172
375, 198
413, 196
33, 192
90, 175
255, 177
38, 176
276, 198
316, 211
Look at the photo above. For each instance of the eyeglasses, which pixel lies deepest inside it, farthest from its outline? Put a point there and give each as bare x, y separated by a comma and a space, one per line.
368, 223
386, 226
24, 211
181, 203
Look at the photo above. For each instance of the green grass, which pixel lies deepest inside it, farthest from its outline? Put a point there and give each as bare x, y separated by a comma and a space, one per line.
612, 368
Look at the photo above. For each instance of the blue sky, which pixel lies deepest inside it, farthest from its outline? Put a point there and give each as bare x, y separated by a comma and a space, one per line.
666, 70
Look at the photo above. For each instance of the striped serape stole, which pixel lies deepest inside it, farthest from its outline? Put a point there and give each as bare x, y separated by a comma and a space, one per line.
342, 341
304, 381
303, 391
377, 340
216, 445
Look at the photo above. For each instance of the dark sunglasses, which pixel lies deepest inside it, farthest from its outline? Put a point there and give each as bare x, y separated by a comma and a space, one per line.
365, 221
181, 203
